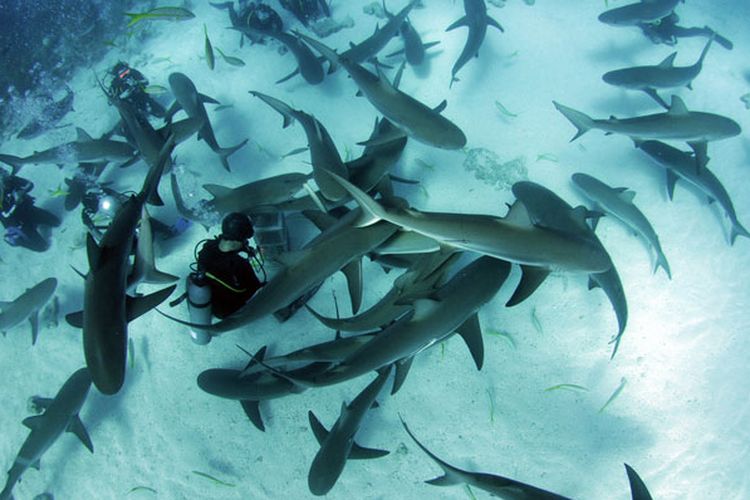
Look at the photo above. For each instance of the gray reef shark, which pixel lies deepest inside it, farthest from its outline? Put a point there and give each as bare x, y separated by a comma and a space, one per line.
679, 164
664, 75
188, 98
107, 308
546, 209
323, 153
414, 118
304, 270
337, 445
619, 203
513, 238
477, 20
60, 415
499, 486
452, 308
83, 149
308, 64
696, 128
645, 11
27, 306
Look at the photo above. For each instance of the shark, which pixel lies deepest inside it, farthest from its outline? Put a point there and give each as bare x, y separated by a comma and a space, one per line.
452, 308
681, 165
60, 415
188, 98
308, 64
414, 48
619, 203
513, 238
107, 308
477, 20
27, 306
337, 444
323, 153
304, 270
419, 281
500, 486
48, 116
83, 149
697, 128
664, 75
645, 11
549, 210
411, 116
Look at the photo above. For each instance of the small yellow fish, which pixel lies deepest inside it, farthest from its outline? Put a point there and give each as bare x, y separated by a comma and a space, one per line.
60, 191
155, 89
209, 50
234, 61
160, 14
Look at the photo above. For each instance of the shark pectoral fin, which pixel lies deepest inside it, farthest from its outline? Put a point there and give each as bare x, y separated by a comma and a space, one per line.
593, 283
36, 465
471, 332
495, 24
174, 108
93, 252
353, 273
317, 428
254, 359
75, 319
137, 306
444, 480
638, 489
361, 453
671, 181
34, 322
531, 278
207, 99
33, 422
403, 366
461, 22
77, 428
252, 410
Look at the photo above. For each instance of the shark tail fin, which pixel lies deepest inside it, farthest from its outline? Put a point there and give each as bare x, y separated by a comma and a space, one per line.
737, 230
581, 121
661, 261
225, 153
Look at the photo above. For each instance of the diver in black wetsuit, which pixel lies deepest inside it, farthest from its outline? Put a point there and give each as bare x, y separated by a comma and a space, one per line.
20, 217
230, 275
129, 85
666, 31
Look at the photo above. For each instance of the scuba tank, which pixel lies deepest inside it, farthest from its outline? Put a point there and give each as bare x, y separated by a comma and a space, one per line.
199, 306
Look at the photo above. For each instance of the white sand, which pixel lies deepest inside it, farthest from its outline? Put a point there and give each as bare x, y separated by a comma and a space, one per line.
683, 416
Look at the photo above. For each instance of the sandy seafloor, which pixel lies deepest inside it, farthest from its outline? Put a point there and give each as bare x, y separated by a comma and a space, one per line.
682, 419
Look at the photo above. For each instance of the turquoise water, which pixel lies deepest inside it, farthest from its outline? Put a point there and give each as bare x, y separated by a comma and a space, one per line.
681, 417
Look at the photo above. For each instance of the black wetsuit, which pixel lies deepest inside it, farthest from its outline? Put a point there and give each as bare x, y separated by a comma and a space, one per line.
20, 217
130, 85
230, 276
666, 31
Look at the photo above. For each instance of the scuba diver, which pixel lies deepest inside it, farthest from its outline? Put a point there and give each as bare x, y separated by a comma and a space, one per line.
223, 280
19, 215
307, 10
667, 32
129, 85
255, 15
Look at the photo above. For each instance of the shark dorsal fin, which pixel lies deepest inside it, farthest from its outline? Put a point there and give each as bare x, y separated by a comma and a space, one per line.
216, 190
668, 61
678, 107
290, 258
82, 135
440, 107
424, 307
626, 195
252, 410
